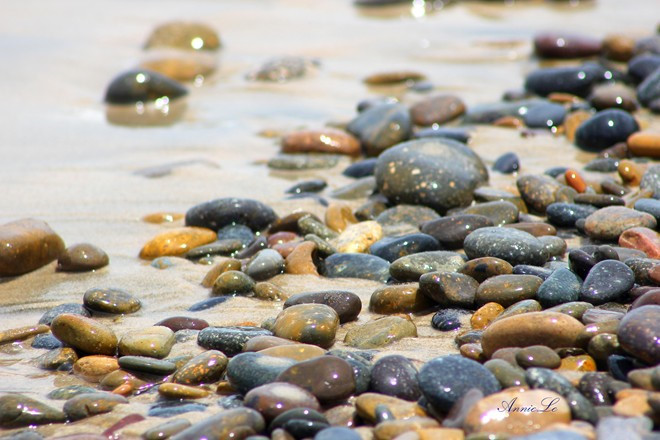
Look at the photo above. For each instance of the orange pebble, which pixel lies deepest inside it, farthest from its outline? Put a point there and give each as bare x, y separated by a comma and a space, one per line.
124, 389
578, 363
508, 122
575, 181
631, 172
644, 143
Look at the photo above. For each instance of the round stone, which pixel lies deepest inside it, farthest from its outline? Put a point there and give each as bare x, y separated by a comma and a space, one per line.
381, 126
142, 85
608, 223
436, 110
234, 282
114, 301
153, 341
226, 424
328, 378
82, 257
400, 298
321, 141
564, 45
576, 80
396, 376
538, 192
451, 231
347, 304
393, 248
638, 333
562, 286
605, 129
176, 323
84, 334
218, 213
309, 323
511, 245
538, 356
275, 398
229, 340
206, 367
607, 281
246, 371
449, 288
507, 289
380, 332
265, 264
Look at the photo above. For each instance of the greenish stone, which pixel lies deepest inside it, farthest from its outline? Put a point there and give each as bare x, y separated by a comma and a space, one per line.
17, 410
380, 332
525, 306
115, 301
65, 393
412, 267
233, 282
146, 365
87, 405
309, 225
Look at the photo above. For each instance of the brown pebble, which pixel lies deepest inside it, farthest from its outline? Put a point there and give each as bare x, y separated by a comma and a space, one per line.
263, 342
179, 391
437, 110
578, 363
485, 315
575, 180
298, 352
631, 172
282, 237
274, 398
181, 66
81, 258
26, 245
643, 239
400, 298
21, 333
472, 351
176, 242
339, 216
366, 403
573, 120
84, 334
162, 217
218, 269
509, 122
300, 261
269, 292
618, 150
486, 267
394, 77
327, 140
618, 47
644, 143
94, 368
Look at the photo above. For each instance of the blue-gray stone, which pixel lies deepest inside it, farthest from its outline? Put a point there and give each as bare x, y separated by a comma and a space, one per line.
650, 206
560, 287
393, 248
457, 134
360, 169
642, 66
566, 214
488, 113
208, 303
265, 264
76, 309
381, 126
574, 80
246, 371
603, 165
649, 89
604, 129
218, 213
337, 433
169, 408
651, 180
412, 267
361, 367
511, 245
545, 116
607, 281
446, 320
507, 163
396, 376
307, 186
47, 341
229, 340
365, 266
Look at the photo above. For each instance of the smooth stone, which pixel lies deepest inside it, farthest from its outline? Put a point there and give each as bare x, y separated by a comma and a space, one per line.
170, 408
599, 200
21, 333
142, 85
153, 341
485, 315
26, 245
624, 427
638, 332
446, 379
46, 341
437, 109
259, 343
362, 168
365, 266
527, 269
562, 286
326, 140
446, 320
361, 367
314, 324
347, 304
176, 323
358, 189
651, 297
613, 96
535, 328
234, 282
337, 433
228, 340
395, 376
114, 301
608, 223
339, 216
82, 257
643, 239
547, 115
310, 225
206, 367
538, 192
234, 423
380, 332
451, 231
605, 129
218, 213
84, 334
486, 267
507, 289
449, 288
576, 80
595, 387
186, 35
418, 172
580, 262
393, 248
498, 212
603, 165
511, 245
58, 358
291, 420
166, 430
17, 410
147, 365
275, 398
87, 405
507, 163
175, 242
368, 404
308, 186
328, 378
564, 45
644, 270
554, 246
372, 208
246, 371
507, 374
489, 194
489, 113
412, 267
207, 303
502, 413
566, 214
264, 265
642, 66
651, 180
178, 391
607, 281
299, 262
358, 238
390, 429
298, 352
381, 126
282, 69
537, 356
458, 134
649, 90
65, 393
219, 247
68, 308
413, 215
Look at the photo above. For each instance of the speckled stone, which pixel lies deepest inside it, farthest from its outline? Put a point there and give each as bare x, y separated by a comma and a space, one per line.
346, 304
446, 320
566, 214
451, 231
234, 423
229, 340
264, 265
365, 266
218, 213
246, 371
153, 341
393, 248
206, 367
400, 298
308, 323
17, 410
358, 237
381, 126
511, 245
608, 223
485, 315
483, 268
607, 281
562, 286
419, 172
176, 242
234, 282
27, 244
82, 257
380, 332
84, 334
87, 405
328, 378
114, 301
507, 289
395, 376
538, 192
275, 398
638, 332
449, 289
412, 267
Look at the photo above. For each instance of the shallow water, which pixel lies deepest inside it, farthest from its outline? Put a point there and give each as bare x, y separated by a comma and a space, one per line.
61, 161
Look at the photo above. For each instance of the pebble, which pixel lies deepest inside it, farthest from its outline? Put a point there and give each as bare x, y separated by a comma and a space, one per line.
649, 90
360, 365
507, 289
651, 180
643, 239
27, 244
337, 433
381, 126
562, 45
446, 320
347, 304
393, 248
485, 267
46, 341
300, 261
412, 215
412, 267
358, 238
170, 408
419, 172
299, 352
147, 365
166, 430
642, 66
69, 308
365, 266
275, 398
644, 143
282, 69
176, 323
566, 214
229, 340
178, 391
339, 216
361, 168
207, 304
437, 109
508, 375
367, 405
613, 96
184, 35
446, 379
17, 410
233, 423
358, 189
153, 341
264, 265
451, 231
299, 422
618, 47
218, 213
551, 329
638, 332
84, 334
538, 192
206, 367
599, 200
380, 332
511, 245
449, 288
489, 113
537, 356
573, 121
546, 115
176, 242
113, 301
247, 371
82, 257
605, 129
608, 223
329, 378
314, 324
458, 134
58, 358
485, 315
87, 405
498, 212
562, 286
607, 281
507, 163
504, 413
395, 376
327, 140
602, 165
142, 85
308, 161
310, 225
576, 80
234, 282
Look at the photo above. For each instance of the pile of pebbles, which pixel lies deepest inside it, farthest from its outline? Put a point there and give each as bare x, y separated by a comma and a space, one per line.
560, 280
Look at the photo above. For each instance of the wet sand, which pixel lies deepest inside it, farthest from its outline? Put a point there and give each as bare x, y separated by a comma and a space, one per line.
62, 162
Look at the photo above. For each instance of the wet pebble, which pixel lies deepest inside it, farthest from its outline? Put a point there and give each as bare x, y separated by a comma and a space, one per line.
358, 238
109, 300
27, 244
87, 405
166, 430
246, 371
412, 267
562, 286
326, 140
651, 180
234, 282
69, 308
485, 315
458, 134
346, 304
228, 340
299, 262
264, 265
358, 189
400, 298
142, 85
381, 126
537, 356
207, 303
576, 80
170, 408
599, 200
46, 341
563, 45
607, 281
605, 129
538, 192
489, 113
17, 410
498, 212
511, 245
507, 290
175, 242
153, 341
547, 115
608, 223
566, 214
218, 213
485, 267
446, 320
437, 109
147, 365
507, 163
328, 378
368, 406
365, 266
314, 324
643, 239
362, 168
393, 248
649, 90
508, 375
380, 332
58, 358
275, 398
602, 165
184, 35
451, 231
84, 334
82, 257
449, 288
176, 323
233, 423
638, 332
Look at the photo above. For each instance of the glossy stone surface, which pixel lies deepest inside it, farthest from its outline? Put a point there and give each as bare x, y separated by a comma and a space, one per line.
218, 213
346, 304
229, 340
562, 286
82, 257
153, 341
234, 423
84, 334
87, 405
114, 301
412, 267
142, 85
17, 410
308, 323
449, 288
605, 129
400, 298
395, 376
638, 333
381, 126
328, 378
365, 266
176, 242
451, 231
206, 367
275, 398
26, 245
393, 248
380, 332
246, 371
511, 245
507, 289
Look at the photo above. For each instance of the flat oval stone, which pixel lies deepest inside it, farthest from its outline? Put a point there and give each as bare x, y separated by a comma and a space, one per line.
328, 378
229, 340
485, 267
566, 214
26, 245
641, 238
613, 96
536, 328
142, 85
114, 301
367, 406
511, 245
562, 286
563, 45
538, 356
362, 168
234, 423
176, 323
166, 430
296, 351
446, 320
265, 264
176, 242
436, 110
84, 334
412, 267
449, 288
69, 308
327, 140
451, 231
380, 332
206, 367
207, 303
446, 379
147, 365
508, 289
17, 410
607, 281
547, 115
538, 192
365, 266
153, 341
485, 315
642, 66
393, 248
246, 371
186, 35
507, 374
499, 212
347, 304
178, 391
358, 237
574, 80
605, 129
275, 398
314, 324
381, 126
87, 405
234, 282
218, 213
82, 257
419, 172
400, 298
507, 163
395, 376
638, 333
